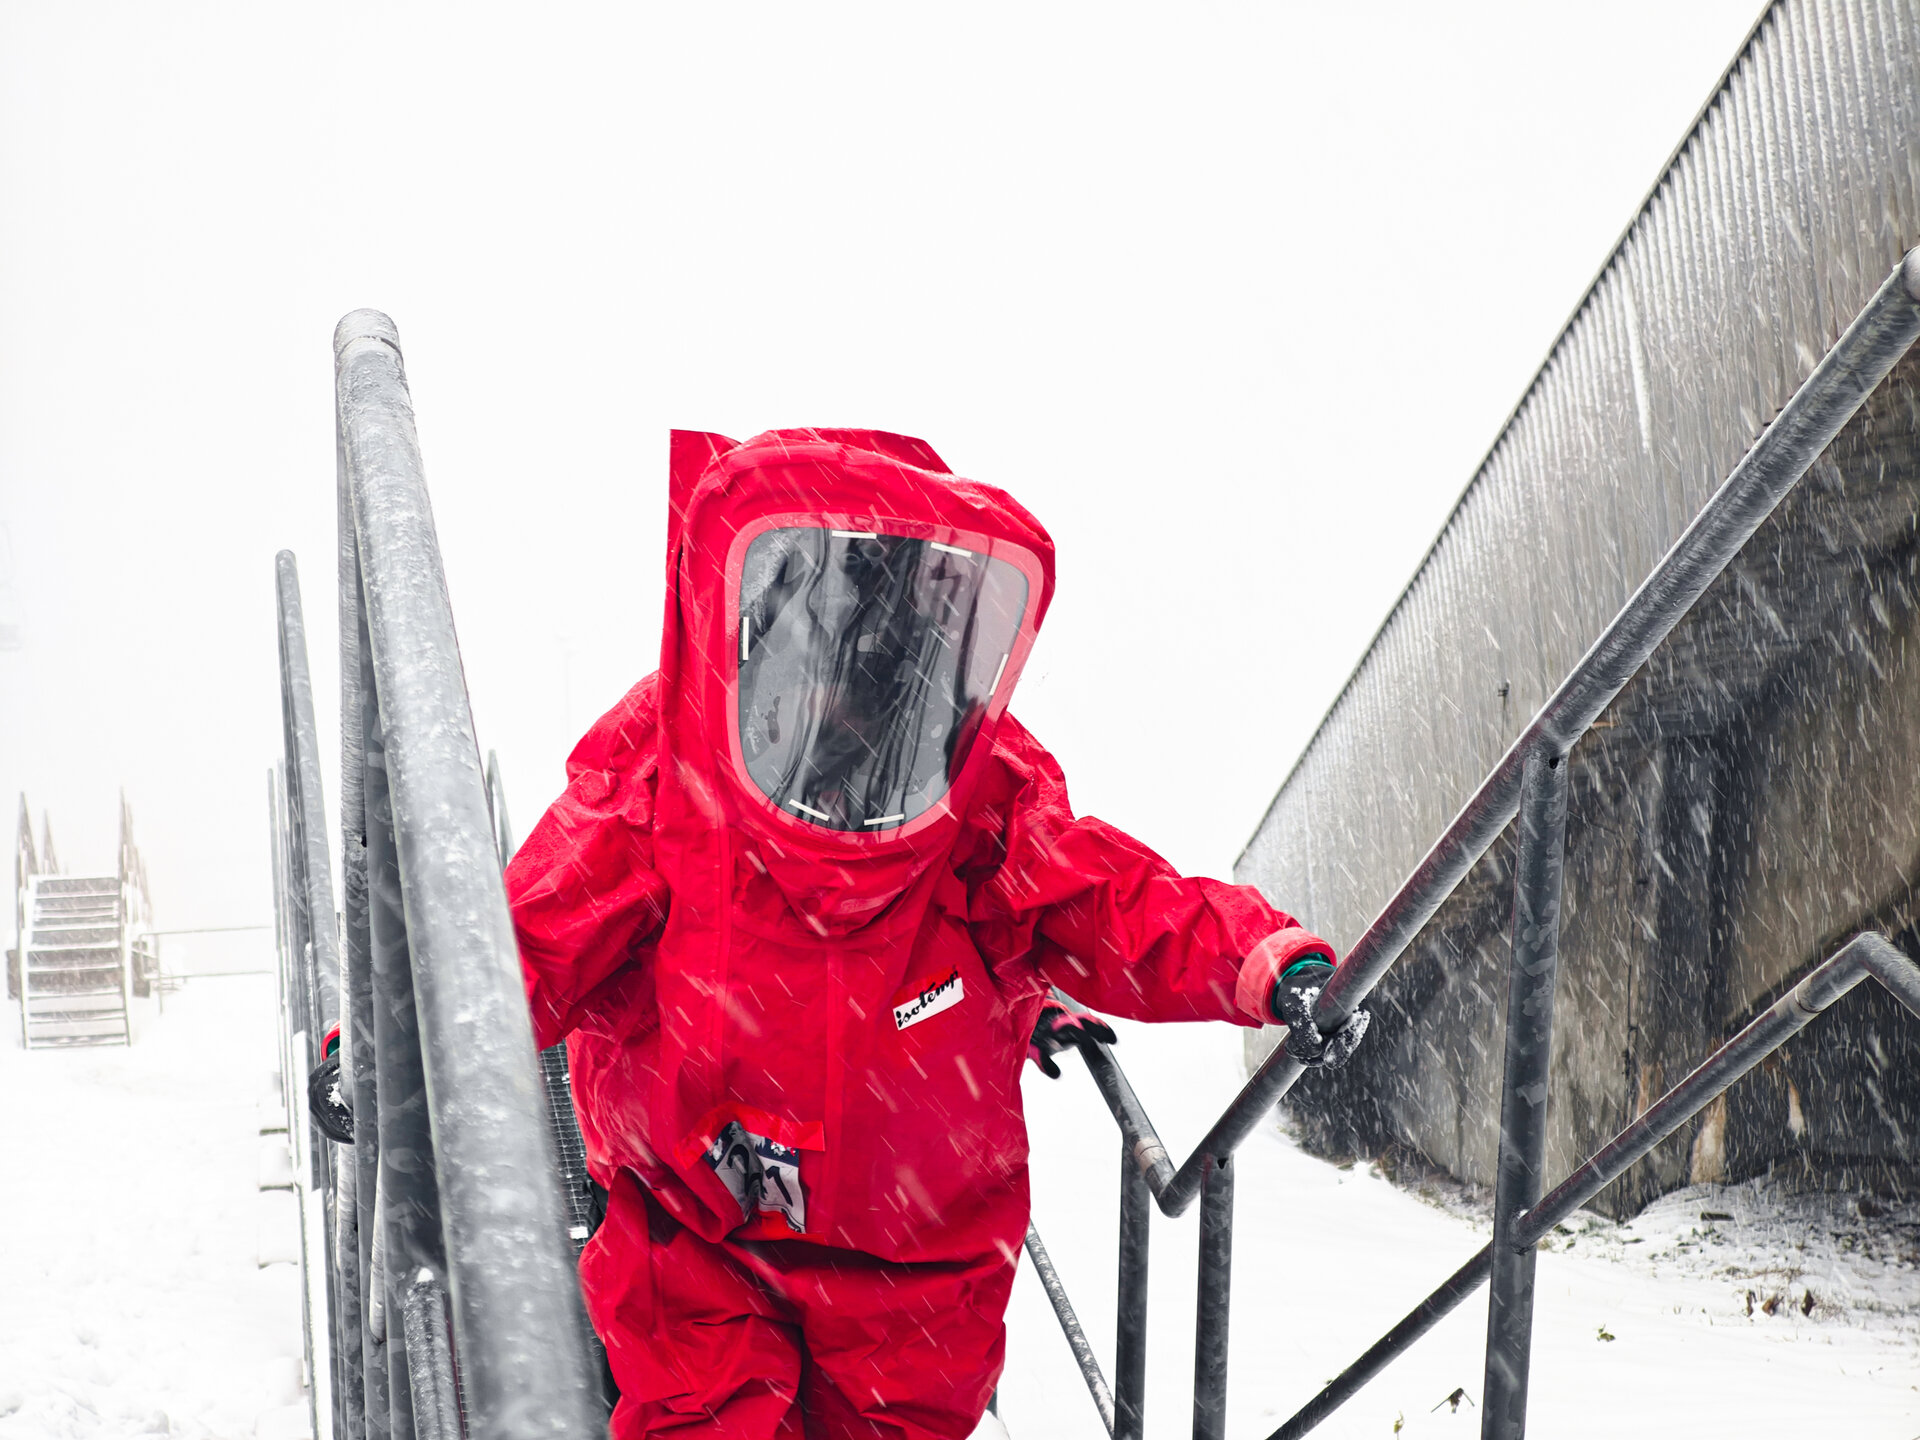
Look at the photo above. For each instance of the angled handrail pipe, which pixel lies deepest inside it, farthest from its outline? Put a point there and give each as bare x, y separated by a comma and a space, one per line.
315, 935
307, 936
503, 841
1862, 357
1864, 956
518, 1325
1534, 766
1070, 1326
446, 1306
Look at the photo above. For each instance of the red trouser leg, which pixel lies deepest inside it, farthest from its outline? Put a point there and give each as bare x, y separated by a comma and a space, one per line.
894, 1351
765, 1341
698, 1347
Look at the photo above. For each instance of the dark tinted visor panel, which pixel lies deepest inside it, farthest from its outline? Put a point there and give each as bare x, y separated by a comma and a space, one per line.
866, 666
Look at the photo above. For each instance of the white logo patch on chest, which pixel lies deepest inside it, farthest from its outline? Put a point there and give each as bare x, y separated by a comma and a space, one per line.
912, 1006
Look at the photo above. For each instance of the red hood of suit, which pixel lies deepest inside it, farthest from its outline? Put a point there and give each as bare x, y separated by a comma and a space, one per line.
781, 872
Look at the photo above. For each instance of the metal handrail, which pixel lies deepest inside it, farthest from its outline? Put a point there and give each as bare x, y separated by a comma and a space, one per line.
449, 1307
307, 936
503, 841
314, 934
26, 865
1070, 1326
1530, 781
1864, 956
465, 1158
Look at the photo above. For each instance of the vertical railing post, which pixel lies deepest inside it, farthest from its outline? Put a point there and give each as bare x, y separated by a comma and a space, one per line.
409, 1207
310, 935
497, 809
317, 953
1215, 1297
353, 1207
1538, 870
436, 1402
358, 1038
1130, 1341
290, 1003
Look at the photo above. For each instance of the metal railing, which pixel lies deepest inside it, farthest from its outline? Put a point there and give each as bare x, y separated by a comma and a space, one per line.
307, 945
82, 919
1530, 783
452, 1305
27, 863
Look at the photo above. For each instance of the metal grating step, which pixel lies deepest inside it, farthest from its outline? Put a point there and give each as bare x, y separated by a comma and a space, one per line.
46, 1002
70, 1042
67, 980
83, 932
76, 1017
77, 884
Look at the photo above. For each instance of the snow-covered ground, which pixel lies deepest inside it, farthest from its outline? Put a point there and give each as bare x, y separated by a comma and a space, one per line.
133, 1301
132, 1297
1640, 1330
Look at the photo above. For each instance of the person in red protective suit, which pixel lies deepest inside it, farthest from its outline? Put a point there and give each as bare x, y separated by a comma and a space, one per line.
801, 910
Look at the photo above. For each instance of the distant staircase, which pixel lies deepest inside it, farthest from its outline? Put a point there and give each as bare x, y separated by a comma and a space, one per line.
81, 954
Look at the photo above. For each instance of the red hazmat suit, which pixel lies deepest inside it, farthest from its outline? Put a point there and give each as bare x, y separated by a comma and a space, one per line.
799, 943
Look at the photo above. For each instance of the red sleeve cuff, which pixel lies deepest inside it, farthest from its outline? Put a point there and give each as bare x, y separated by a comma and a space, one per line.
329, 1041
1267, 962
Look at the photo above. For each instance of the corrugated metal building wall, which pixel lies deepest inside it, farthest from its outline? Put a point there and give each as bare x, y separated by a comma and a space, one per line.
1794, 195
1784, 208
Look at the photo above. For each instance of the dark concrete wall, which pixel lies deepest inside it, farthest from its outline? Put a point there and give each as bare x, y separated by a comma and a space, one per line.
1751, 800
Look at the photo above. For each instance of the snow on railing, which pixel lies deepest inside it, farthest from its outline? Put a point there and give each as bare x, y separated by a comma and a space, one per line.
451, 1304
1529, 782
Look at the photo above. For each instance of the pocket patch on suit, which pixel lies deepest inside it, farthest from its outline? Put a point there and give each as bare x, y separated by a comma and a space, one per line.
761, 1174
929, 998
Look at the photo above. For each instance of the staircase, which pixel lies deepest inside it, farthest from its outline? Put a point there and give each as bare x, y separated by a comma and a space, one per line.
82, 953
76, 981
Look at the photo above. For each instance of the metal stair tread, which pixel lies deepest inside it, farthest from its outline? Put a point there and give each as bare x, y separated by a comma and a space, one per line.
76, 1017
90, 970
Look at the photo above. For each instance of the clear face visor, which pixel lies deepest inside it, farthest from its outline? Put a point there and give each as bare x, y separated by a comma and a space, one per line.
866, 666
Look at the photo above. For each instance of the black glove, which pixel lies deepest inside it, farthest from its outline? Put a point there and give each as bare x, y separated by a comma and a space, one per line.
327, 1101
1294, 995
1057, 1028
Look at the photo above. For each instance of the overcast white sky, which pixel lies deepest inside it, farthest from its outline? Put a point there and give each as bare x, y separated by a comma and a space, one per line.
1234, 297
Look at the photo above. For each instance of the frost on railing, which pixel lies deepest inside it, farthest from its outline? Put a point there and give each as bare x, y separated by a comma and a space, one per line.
450, 1306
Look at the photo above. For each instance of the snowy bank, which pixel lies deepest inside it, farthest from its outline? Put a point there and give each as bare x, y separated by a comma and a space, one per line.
1641, 1329
132, 1297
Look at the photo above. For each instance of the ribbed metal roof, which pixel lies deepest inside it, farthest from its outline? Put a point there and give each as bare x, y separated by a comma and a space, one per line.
1794, 193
